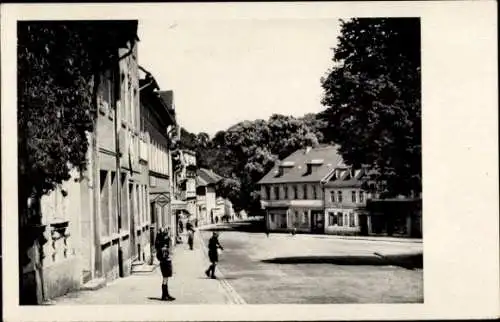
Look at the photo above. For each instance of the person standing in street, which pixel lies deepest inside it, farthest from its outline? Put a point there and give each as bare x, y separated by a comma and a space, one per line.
164, 256
190, 231
190, 238
213, 255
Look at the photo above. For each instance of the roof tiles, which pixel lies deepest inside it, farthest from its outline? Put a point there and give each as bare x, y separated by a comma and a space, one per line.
300, 159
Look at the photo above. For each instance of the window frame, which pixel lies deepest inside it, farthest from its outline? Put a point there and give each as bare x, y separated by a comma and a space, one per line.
340, 219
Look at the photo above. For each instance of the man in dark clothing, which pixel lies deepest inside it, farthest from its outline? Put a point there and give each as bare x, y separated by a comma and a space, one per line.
163, 254
189, 226
213, 246
190, 231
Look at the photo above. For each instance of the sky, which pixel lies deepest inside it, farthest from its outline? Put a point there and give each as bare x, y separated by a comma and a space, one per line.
226, 71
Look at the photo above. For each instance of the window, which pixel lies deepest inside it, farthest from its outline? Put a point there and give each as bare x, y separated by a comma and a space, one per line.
332, 196
127, 205
353, 196
315, 192
340, 222
361, 196
352, 222
285, 192
304, 191
339, 196
105, 207
295, 193
114, 210
306, 217
276, 193
332, 220
283, 221
296, 219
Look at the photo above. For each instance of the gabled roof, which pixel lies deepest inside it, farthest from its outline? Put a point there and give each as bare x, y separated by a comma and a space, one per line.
300, 158
205, 177
350, 178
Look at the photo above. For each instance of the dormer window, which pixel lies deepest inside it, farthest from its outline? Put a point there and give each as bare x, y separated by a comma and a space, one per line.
313, 164
285, 167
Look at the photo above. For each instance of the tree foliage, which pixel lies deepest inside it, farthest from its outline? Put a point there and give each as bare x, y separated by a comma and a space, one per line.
246, 151
57, 62
373, 102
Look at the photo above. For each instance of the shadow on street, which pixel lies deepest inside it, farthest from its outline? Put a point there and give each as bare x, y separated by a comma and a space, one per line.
408, 261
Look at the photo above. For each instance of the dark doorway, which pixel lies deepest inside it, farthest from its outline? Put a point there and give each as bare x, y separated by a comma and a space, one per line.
317, 222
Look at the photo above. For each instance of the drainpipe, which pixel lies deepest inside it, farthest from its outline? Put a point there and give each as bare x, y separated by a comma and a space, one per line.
322, 183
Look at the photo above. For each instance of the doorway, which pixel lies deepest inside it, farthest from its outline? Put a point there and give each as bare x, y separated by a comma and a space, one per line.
317, 222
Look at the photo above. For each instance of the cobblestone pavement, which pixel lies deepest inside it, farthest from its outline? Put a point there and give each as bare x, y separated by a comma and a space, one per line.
189, 285
302, 269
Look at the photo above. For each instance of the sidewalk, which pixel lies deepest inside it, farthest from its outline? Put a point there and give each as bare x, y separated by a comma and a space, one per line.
189, 285
328, 236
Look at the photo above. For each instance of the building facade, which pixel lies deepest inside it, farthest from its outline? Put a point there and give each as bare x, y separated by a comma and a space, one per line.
92, 224
313, 191
292, 193
157, 123
185, 182
206, 196
345, 202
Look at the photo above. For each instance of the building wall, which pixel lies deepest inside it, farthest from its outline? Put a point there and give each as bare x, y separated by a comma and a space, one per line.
301, 200
210, 202
82, 228
341, 216
62, 256
276, 219
291, 191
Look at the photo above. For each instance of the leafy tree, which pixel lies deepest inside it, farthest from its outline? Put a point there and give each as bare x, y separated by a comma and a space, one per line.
246, 151
188, 140
373, 102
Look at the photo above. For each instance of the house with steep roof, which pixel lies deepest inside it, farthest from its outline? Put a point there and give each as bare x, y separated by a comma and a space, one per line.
206, 196
310, 190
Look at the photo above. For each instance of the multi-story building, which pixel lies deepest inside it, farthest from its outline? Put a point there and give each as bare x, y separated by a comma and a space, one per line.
185, 181
157, 123
312, 190
93, 222
292, 192
345, 201
206, 195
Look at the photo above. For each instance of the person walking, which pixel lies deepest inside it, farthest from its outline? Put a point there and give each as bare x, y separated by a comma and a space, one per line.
163, 254
190, 231
213, 255
189, 226
190, 238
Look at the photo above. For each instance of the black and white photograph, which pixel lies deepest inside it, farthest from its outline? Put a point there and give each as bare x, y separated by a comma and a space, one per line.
168, 160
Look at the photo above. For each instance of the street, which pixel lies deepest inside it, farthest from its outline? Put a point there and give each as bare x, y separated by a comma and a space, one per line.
279, 269
316, 269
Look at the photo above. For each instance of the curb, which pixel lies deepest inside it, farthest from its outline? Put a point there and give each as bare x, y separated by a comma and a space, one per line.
332, 236
231, 292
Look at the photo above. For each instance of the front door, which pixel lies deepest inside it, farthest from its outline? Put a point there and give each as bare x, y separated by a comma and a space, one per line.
317, 222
